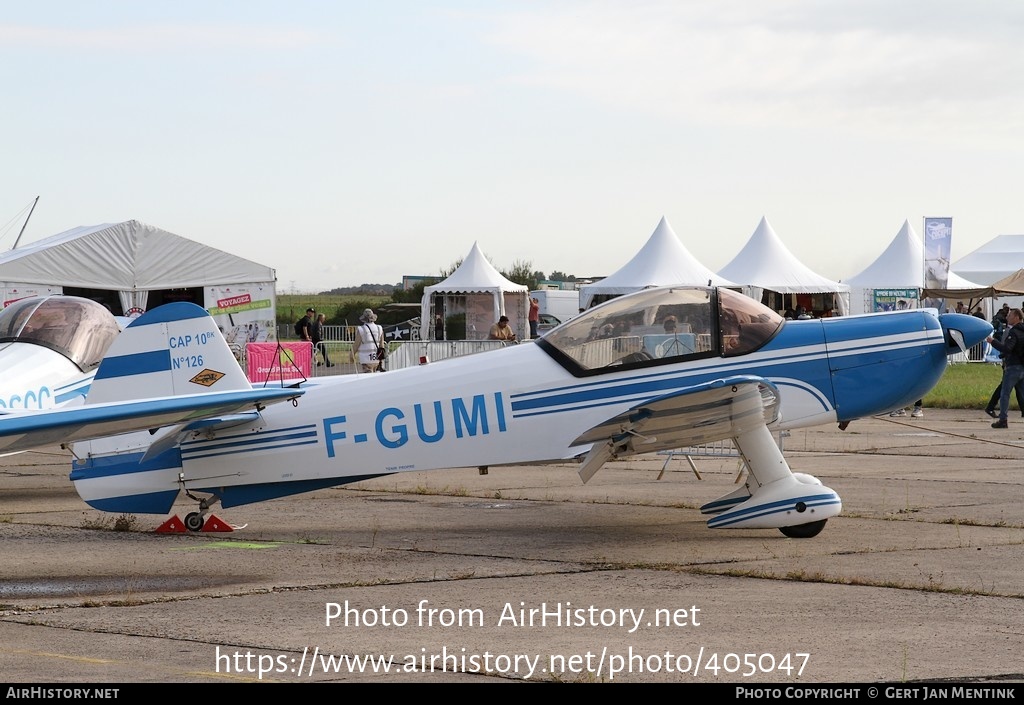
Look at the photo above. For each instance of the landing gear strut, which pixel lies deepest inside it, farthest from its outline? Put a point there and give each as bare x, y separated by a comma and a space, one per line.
194, 521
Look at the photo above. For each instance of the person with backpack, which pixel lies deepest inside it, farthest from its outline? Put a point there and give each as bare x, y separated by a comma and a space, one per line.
304, 326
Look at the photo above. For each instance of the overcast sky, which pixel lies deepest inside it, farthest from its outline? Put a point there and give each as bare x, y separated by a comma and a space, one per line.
345, 142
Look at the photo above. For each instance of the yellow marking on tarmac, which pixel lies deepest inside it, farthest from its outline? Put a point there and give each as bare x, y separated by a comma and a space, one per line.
229, 544
80, 659
104, 662
230, 676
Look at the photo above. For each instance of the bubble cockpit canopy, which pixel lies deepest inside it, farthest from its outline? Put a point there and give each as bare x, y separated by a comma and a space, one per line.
659, 326
79, 329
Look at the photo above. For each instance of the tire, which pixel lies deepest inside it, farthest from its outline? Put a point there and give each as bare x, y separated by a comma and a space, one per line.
194, 521
803, 531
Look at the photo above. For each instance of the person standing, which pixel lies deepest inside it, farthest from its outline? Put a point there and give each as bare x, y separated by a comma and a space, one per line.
369, 338
534, 316
304, 326
316, 334
1012, 348
990, 408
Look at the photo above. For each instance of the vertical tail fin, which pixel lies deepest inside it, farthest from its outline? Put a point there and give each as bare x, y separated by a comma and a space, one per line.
173, 349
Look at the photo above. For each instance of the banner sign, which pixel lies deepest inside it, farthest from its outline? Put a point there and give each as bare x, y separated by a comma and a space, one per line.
894, 299
278, 361
938, 235
244, 313
15, 292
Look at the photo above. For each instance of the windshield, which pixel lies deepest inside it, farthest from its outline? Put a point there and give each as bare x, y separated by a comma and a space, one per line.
655, 326
80, 329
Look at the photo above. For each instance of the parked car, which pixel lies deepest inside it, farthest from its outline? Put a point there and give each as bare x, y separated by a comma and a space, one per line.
546, 322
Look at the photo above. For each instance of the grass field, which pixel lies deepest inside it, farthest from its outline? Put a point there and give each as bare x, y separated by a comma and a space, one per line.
290, 307
965, 386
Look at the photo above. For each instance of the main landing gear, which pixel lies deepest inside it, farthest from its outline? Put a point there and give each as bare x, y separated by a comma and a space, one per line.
194, 521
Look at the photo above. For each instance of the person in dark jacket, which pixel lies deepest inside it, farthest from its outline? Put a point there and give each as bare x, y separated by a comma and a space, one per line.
993, 401
1012, 348
317, 336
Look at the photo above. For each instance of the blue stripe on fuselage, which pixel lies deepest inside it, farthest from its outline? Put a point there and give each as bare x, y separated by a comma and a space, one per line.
149, 503
797, 357
248, 442
112, 465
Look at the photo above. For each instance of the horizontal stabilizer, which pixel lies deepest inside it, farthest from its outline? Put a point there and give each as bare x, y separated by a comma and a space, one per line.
31, 429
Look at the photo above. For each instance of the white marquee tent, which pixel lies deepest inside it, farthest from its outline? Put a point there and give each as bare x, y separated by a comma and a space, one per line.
479, 291
765, 263
135, 259
662, 261
899, 267
998, 258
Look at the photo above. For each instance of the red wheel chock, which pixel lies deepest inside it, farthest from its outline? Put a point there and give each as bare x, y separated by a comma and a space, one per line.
213, 524
174, 525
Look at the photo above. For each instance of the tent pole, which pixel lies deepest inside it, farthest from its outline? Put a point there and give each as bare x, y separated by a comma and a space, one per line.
26, 223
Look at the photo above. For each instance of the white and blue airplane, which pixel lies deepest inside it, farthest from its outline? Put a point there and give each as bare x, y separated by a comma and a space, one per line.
50, 347
607, 384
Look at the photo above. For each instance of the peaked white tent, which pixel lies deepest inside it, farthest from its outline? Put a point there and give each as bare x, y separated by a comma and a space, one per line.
997, 258
897, 271
135, 259
900, 265
662, 261
765, 263
479, 291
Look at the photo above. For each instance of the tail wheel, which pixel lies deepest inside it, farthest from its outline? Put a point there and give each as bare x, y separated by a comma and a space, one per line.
801, 531
194, 521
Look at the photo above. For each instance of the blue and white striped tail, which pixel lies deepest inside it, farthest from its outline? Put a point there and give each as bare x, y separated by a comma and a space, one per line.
173, 349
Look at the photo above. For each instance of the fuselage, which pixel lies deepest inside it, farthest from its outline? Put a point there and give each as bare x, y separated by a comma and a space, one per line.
35, 377
524, 404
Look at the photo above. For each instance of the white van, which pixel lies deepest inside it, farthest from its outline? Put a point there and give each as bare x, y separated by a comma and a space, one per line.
560, 303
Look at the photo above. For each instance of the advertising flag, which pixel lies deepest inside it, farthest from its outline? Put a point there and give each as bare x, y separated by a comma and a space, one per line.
938, 235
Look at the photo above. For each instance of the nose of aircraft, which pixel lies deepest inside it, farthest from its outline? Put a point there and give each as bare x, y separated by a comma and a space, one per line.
962, 331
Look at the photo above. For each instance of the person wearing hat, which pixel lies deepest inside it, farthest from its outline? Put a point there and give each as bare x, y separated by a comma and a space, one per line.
502, 330
304, 326
369, 337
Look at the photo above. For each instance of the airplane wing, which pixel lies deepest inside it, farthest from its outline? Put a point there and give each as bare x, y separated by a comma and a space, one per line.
723, 408
31, 429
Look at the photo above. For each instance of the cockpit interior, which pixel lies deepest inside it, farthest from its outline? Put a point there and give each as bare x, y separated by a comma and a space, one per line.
661, 325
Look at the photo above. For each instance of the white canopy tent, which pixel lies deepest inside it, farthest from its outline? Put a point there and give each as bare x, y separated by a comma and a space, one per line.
997, 258
135, 259
479, 291
900, 268
765, 263
662, 261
